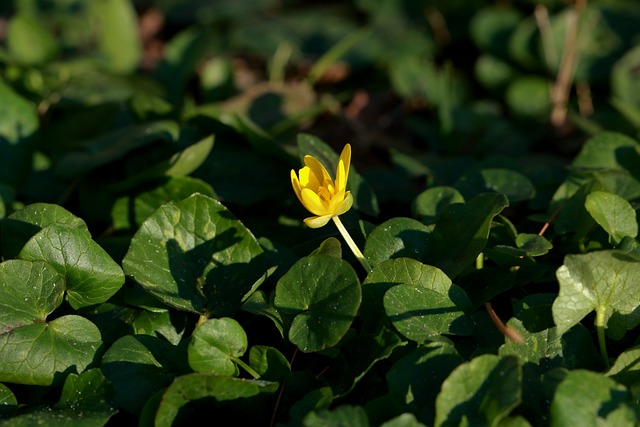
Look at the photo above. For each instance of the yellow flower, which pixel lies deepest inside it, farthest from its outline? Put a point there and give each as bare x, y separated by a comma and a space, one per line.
321, 195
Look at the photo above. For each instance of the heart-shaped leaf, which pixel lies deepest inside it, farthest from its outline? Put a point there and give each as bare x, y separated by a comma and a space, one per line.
461, 232
130, 211
323, 294
417, 276
426, 304
586, 398
613, 213
138, 366
215, 392
43, 353
430, 203
515, 185
395, 238
417, 376
194, 255
29, 292
23, 224
604, 281
91, 275
215, 345
480, 392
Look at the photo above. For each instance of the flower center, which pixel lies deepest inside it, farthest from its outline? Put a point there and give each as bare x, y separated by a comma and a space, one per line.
326, 190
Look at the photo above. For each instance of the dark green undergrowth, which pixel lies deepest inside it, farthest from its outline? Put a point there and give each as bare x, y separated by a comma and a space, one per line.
156, 269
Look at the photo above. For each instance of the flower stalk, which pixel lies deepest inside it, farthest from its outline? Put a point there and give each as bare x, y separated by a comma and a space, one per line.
325, 197
352, 245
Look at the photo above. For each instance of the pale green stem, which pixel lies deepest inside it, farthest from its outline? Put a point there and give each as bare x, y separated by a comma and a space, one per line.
600, 323
203, 318
246, 367
352, 245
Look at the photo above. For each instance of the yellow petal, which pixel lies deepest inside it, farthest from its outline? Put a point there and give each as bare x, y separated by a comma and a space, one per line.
336, 201
313, 203
342, 171
317, 169
296, 185
346, 204
317, 221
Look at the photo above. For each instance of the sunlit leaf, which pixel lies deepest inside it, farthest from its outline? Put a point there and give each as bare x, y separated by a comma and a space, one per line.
604, 282
215, 345
91, 275
42, 353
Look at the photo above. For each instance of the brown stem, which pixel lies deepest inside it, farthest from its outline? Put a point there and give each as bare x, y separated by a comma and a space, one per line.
508, 332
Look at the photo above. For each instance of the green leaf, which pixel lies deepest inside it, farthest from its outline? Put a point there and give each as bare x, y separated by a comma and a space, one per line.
529, 97
215, 345
180, 57
431, 203
91, 275
269, 363
29, 292
604, 281
426, 304
130, 211
226, 397
514, 185
138, 366
169, 325
114, 145
396, 238
122, 48
613, 213
29, 41
361, 355
588, 398
404, 420
533, 244
194, 255
461, 232
344, 415
549, 349
480, 392
329, 247
23, 224
364, 199
608, 150
182, 163
323, 294
85, 402
44, 353
19, 122
626, 369
417, 376
8, 402
491, 28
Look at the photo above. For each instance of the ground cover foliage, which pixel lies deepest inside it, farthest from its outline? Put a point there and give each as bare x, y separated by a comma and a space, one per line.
156, 269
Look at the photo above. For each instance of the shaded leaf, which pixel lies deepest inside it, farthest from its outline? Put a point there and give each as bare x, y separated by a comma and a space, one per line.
323, 294
482, 391
194, 255
216, 393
